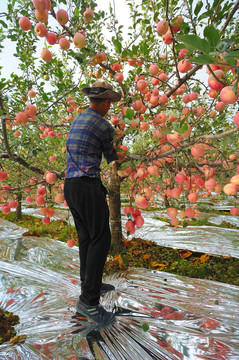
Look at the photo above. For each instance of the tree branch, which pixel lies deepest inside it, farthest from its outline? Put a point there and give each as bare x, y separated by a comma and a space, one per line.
191, 18
236, 7
9, 154
215, 77
183, 80
174, 54
199, 139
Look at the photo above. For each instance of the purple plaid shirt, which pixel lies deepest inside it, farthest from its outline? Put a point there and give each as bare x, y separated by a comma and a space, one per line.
90, 136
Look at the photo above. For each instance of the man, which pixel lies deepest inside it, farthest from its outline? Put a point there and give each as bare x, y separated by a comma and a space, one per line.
91, 136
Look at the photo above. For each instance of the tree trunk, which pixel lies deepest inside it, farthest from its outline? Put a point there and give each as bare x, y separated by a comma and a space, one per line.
115, 206
166, 201
19, 206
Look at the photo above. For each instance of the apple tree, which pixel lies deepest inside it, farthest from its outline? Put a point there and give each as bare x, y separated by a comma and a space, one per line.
176, 126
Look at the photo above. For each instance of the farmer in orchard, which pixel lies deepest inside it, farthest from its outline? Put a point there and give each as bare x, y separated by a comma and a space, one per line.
91, 136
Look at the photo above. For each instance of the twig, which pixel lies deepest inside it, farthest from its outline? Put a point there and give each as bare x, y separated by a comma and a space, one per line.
174, 54
190, 14
213, 17
230, 16
215, 77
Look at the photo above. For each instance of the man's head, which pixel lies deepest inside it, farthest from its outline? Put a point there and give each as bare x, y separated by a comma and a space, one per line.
102, 106
101, 96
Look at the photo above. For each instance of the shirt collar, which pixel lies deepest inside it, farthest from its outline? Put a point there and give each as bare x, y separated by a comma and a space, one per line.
90, 109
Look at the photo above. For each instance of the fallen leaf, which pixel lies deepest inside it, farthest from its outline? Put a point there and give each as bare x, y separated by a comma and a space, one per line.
204, 258
146, 257
155, 264
185, 254
119, 259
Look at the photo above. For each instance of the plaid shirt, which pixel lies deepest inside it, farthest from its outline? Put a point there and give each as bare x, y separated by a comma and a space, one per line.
90, 135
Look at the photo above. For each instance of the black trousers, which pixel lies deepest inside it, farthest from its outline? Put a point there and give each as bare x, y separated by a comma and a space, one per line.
86, 199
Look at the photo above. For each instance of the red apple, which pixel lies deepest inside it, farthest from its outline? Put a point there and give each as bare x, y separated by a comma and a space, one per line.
24, 23
62, 16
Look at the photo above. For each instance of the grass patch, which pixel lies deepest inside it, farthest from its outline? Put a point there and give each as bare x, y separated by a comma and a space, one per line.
143, 254
57, 229
149, 255
205, 222
199, 222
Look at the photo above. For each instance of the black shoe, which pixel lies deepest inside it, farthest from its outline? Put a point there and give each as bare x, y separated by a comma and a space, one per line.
106, 287
95, 313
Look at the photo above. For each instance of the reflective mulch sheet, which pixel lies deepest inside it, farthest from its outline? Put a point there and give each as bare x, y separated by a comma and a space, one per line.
158, 315
207, 239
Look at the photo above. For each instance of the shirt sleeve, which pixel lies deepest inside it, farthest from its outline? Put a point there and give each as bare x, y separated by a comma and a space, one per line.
107, 145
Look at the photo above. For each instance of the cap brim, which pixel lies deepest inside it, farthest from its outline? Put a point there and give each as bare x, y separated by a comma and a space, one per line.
108, 94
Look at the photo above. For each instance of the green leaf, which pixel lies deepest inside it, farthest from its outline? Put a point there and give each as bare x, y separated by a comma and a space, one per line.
3, 24
2, 84
235, 87
178, 47
45, 97
135, 49
60, 73
62, 175
156, 16
144, 48
214, 5
145, 327
232, 62
198, 7
125, 261
232, 54
127, 121
117, 44
221, 46
212, 35
205, 15
77, 12
202, 59
181, 129
194, 42
124, 53
79, 59
166, 131
129, 114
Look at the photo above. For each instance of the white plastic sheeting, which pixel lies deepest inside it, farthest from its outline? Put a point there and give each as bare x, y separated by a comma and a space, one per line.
159, 315
207, 239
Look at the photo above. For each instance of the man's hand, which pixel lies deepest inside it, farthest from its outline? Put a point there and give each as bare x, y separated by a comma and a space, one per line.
114, 163
114, 166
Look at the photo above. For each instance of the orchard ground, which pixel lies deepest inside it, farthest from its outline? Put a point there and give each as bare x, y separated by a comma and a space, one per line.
145, 254
7, 322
